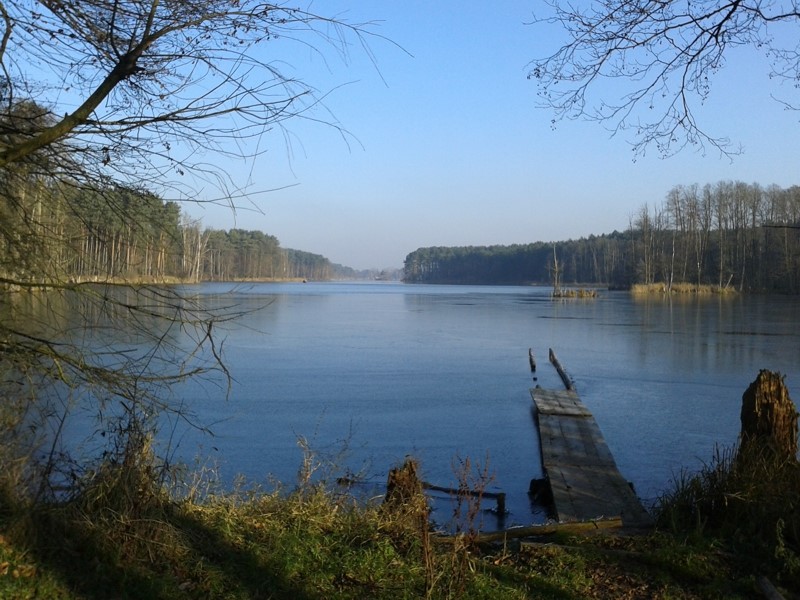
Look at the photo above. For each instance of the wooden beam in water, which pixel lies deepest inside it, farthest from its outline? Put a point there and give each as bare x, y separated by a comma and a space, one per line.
568, 383
499, 497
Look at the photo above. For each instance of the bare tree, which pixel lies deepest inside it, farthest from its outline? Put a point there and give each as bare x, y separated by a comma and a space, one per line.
147, 89
98, 94
664, 54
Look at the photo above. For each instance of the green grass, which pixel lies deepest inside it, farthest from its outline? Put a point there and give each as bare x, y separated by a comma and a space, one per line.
748, 499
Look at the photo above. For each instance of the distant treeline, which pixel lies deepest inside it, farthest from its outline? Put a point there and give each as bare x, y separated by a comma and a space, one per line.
79, 233
728, 234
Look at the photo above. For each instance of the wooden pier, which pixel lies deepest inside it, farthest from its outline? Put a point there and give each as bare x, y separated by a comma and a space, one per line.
582, 474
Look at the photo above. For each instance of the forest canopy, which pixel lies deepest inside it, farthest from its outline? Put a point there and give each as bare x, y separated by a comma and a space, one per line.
730, 234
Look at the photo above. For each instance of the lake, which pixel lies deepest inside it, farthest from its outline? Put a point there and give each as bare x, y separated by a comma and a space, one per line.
369, 373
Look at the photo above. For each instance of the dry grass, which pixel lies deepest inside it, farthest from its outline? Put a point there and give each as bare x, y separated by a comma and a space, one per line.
680, 288
575, 293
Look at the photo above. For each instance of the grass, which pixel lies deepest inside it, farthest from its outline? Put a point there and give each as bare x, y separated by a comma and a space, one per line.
125, 535
255, 550
748, 499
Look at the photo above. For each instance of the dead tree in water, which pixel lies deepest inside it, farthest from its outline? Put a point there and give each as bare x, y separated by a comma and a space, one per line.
769, 417
555, 270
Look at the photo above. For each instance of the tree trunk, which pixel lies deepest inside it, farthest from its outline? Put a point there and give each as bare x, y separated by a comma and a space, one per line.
769, 417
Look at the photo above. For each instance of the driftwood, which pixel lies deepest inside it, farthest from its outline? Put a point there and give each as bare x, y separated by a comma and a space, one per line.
769, 417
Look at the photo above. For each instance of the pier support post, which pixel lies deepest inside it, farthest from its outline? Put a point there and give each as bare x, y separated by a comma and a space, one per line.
561, 371
501, 503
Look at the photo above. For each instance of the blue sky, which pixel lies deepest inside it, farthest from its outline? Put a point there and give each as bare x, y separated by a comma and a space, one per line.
447, 146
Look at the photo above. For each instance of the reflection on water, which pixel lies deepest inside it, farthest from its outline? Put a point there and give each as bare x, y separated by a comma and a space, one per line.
81, 359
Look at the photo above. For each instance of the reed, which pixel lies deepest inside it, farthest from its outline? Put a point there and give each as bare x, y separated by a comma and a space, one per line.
680, 289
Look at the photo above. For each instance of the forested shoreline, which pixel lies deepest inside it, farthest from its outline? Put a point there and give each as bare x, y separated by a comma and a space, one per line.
126, 234
729, 234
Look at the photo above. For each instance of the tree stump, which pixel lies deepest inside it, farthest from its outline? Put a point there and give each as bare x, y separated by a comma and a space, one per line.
403, 486
405, 498
407, 506
769, 417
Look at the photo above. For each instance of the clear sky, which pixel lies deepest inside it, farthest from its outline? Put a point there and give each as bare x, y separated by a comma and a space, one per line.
447, 146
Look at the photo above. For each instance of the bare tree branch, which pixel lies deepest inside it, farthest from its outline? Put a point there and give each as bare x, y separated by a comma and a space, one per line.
660, 57
162, 76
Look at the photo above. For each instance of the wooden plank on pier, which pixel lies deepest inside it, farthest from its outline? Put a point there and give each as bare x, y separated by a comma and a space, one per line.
554, 402
583, 475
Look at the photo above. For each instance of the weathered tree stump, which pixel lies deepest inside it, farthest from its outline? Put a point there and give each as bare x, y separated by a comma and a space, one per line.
769, 417
403, 486
407, 506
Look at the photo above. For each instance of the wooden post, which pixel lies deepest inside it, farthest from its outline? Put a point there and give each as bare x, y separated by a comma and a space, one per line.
501, 503
406, 500
531, 360
769, 417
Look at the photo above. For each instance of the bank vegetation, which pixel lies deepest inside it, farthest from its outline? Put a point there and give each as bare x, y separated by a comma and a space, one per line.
132, 530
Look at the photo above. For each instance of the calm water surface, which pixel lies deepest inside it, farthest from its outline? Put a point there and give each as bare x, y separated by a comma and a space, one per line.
386, 370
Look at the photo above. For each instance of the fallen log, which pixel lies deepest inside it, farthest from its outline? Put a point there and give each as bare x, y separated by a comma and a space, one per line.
499, 497
581, 527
